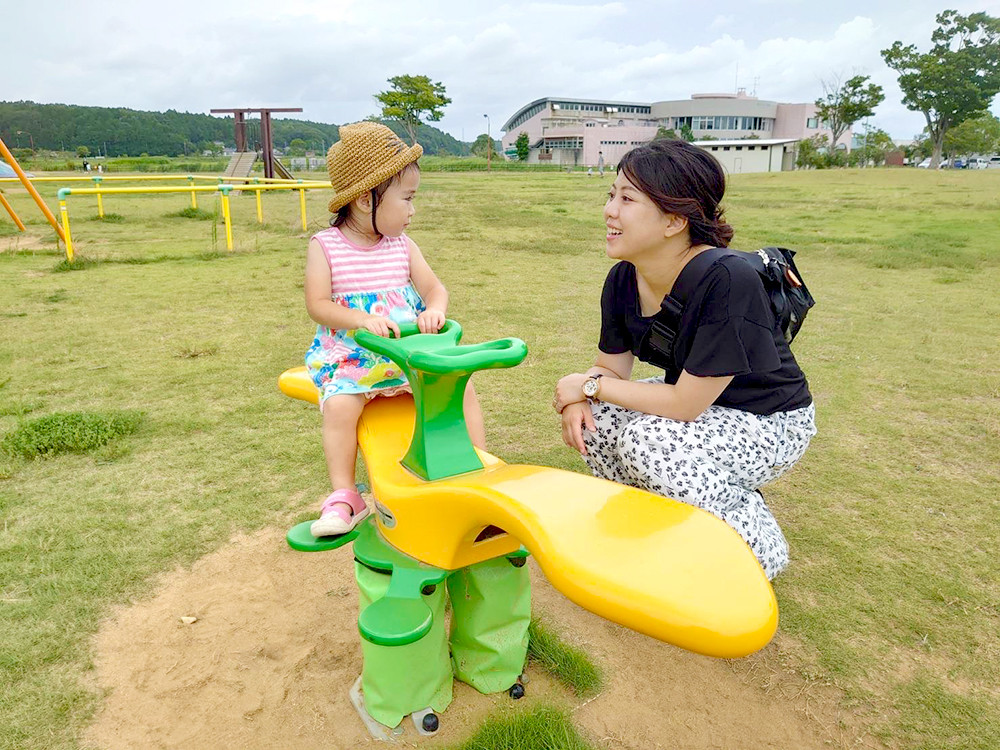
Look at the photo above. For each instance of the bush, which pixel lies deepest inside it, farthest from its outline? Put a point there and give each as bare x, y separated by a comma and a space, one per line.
69, 432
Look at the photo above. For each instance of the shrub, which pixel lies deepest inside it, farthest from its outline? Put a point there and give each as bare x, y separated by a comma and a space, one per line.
69, 432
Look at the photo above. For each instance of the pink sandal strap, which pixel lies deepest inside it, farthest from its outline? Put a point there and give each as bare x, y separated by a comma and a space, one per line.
340, 498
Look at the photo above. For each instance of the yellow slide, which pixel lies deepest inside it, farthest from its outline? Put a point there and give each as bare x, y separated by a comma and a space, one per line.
655, 565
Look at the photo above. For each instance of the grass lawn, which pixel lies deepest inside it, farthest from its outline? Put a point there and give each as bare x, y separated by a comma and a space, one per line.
893, 594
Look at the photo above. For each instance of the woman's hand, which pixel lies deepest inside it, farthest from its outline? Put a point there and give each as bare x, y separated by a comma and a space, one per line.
569, 390
430, 320
575, 418
379, 325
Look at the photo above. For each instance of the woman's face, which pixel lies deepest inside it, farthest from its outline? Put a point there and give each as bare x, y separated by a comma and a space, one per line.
635, 224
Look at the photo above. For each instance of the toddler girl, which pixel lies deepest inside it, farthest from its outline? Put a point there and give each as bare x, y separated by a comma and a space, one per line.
365, 273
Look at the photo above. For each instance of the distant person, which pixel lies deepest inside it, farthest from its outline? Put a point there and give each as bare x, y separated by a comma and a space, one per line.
365, 273
100, 169
732, 410
600, 163
86, 165
590, 171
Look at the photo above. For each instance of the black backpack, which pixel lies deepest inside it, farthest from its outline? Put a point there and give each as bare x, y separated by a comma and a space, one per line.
790, 298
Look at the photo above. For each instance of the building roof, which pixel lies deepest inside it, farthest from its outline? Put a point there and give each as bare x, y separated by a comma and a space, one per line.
568, 99
748, 142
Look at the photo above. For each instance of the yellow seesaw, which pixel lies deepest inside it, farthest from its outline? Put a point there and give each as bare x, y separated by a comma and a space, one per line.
652, 564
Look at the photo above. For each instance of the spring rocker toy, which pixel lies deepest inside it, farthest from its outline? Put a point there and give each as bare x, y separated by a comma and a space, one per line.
449, 517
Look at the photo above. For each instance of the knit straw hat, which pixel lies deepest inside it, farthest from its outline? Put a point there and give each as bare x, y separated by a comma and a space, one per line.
367, 154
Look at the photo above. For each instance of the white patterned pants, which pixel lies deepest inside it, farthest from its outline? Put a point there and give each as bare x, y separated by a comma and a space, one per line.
717, 463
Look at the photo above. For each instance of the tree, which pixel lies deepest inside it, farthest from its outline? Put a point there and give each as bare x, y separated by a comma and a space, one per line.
523, 146
845, 105
809, 152
955, 81
665, 134
686, 133
482, 145
875, 146
411, 99
978, 135
82, 151
297, 146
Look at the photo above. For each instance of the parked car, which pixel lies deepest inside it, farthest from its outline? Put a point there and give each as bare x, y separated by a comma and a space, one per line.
978, 162
994, 163
925, 164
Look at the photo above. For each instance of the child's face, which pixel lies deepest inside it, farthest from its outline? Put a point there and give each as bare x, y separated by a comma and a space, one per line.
394, 211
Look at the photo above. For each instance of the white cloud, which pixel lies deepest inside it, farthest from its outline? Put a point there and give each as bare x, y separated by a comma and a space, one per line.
331, 57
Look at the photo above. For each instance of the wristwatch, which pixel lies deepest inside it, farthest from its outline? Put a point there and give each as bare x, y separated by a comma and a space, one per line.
592, 386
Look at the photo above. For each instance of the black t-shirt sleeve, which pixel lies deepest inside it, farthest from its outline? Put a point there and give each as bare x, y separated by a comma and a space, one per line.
615, 336
734, 325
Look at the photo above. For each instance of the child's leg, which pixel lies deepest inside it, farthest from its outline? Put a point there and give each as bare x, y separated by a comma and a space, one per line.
474, 418
344, 508
340, 437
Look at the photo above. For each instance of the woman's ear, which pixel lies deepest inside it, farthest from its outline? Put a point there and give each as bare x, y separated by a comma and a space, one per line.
675, 225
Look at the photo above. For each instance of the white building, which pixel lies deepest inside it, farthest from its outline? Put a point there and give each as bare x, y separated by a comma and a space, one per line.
579, 131
761, 155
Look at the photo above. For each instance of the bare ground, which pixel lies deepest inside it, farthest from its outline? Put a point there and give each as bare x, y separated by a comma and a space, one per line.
274, 649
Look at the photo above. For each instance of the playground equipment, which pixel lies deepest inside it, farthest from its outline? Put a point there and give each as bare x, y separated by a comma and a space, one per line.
9, 157
252, 141
446, 511
223, 189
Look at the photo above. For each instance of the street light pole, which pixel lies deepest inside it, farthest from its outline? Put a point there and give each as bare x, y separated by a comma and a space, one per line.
489, 143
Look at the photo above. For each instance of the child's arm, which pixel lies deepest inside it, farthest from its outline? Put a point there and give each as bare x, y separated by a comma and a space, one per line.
328, 313
430, 289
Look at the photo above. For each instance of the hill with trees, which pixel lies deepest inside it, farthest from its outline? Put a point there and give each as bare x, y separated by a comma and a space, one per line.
116, 131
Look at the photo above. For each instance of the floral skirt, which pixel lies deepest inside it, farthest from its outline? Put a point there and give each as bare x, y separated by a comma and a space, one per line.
337, 364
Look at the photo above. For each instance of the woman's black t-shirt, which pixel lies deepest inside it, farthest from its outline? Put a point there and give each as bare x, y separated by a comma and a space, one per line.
727, 327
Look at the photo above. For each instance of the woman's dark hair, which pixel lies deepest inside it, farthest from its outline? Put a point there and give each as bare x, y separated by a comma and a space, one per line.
344, 212
685, 181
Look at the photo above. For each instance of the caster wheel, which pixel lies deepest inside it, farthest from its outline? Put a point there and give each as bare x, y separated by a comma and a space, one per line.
516, 691
430, 723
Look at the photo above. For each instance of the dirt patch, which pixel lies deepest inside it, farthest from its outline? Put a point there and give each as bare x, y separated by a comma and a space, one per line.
274, 649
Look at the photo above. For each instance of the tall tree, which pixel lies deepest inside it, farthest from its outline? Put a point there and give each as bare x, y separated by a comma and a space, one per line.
977, 135
483, 145
957, 79
411, 99
843, 105
523, 146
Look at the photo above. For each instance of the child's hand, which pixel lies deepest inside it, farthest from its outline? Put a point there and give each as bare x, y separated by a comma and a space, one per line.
380, 325
430, 321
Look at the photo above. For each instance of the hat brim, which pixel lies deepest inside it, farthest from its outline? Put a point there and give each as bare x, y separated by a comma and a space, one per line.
394, 166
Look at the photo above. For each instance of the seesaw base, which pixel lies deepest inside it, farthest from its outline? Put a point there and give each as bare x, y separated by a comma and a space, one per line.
408, 674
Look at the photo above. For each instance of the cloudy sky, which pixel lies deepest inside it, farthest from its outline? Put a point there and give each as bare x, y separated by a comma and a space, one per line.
330, 57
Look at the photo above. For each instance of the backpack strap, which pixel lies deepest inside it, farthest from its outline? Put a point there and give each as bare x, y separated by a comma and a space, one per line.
657, 346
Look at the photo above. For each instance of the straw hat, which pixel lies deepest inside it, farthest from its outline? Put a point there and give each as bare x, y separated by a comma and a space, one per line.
367, 154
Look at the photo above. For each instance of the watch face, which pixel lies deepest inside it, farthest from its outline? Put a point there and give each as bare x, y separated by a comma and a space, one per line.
589, 388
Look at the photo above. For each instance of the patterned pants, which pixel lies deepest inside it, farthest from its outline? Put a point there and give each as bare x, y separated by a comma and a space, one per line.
716, 463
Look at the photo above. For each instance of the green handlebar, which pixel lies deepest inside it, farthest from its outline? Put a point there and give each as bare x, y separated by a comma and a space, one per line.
463, 359
438, 370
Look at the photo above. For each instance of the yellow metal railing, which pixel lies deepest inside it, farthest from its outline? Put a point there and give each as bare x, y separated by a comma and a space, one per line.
224, 189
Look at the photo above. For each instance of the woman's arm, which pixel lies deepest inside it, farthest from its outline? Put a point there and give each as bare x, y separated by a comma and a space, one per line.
573, 405
685, 401
328, 313
430, 289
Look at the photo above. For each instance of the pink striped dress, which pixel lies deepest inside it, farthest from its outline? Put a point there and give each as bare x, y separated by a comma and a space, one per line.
374, 279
